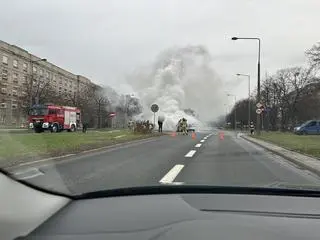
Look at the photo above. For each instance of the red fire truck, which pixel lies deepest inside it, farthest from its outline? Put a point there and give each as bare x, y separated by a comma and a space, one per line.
54, 118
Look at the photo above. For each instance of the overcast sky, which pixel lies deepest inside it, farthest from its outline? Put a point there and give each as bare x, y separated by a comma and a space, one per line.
105, 40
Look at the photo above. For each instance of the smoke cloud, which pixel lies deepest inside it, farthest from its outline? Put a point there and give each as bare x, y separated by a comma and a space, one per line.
180, 78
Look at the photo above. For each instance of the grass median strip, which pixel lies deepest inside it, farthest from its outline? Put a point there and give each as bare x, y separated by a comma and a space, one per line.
309, 144
17, 147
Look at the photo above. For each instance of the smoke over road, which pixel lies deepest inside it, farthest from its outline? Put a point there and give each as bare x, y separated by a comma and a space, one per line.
180, 78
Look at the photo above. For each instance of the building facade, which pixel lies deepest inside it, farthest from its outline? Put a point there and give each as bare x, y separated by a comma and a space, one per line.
19, 69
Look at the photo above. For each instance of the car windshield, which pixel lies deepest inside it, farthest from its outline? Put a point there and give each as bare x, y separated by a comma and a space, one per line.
100, 95
38, 111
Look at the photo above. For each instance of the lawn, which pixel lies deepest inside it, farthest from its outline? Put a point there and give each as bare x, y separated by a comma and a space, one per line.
29, 145
309, 144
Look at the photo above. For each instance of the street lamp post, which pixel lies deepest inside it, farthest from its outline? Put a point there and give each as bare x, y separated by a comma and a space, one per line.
226, 117
31, 78
249, 102
258, 84
235, 110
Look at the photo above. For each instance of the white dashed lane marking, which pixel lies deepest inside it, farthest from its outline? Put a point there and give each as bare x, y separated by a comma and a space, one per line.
202, 141
190, 153
27, 173
198, 145
172, 174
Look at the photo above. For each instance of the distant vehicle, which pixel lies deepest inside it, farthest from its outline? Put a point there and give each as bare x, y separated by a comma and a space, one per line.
191, 128
311, 127
54, 118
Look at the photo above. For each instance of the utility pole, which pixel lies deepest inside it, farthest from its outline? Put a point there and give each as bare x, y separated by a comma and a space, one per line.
258, 80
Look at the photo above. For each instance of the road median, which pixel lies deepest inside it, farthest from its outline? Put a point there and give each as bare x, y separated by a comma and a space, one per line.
298, 151
19, 148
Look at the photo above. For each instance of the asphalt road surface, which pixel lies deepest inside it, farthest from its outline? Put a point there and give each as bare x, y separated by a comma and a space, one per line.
209, 159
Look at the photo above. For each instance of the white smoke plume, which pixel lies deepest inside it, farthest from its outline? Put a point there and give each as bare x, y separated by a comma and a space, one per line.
180, 78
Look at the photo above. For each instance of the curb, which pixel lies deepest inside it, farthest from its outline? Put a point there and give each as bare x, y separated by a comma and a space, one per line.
299, 163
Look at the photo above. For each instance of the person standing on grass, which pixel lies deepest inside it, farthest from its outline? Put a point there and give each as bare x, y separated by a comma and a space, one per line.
160, 122
84, 127
251, 128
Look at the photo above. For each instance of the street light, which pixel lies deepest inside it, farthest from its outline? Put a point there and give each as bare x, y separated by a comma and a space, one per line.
249, 102
258, 85
235, 109
31, 83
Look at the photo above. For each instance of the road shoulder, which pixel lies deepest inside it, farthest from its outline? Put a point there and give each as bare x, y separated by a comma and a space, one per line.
307, 162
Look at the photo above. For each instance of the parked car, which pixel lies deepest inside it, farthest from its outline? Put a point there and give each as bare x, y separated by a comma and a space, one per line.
311, 127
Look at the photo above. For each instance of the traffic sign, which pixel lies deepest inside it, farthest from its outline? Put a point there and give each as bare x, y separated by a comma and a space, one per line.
258, 111
259, 105
154, 108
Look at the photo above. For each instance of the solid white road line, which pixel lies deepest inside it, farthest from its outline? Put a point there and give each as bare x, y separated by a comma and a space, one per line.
190, 153
202, 141
172, 174
198, 145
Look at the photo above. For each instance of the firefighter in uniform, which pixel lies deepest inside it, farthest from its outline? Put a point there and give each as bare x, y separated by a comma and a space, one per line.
251, 128
184, 126
84, 127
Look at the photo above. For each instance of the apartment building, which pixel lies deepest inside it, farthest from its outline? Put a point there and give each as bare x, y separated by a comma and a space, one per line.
18, 68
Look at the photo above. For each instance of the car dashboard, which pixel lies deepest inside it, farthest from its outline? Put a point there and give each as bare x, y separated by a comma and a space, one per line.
182, 215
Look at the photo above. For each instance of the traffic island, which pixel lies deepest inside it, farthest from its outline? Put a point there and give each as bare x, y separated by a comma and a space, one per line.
304, 152
19, 148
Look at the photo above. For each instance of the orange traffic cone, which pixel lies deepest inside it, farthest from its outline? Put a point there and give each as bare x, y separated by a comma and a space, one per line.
193, 135
173, 134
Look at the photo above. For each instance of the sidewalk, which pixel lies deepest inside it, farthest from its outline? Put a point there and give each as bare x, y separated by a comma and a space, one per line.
310, 163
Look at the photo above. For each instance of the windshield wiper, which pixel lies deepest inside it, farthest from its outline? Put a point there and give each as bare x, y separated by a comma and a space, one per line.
196, 189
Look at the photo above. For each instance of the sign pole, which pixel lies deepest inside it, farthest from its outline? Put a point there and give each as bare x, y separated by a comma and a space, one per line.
154, 109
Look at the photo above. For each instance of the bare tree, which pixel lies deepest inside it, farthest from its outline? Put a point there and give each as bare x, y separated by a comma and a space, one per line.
36, 90
129, 105
313, 55
101, 103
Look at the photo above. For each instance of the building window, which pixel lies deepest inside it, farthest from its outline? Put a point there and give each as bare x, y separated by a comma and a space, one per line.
25, 67
15, 63
25, 79
3, 90
34, 69
5, 60
3, 105
47, 74
40, 72
15, 78
14, 106
5, 74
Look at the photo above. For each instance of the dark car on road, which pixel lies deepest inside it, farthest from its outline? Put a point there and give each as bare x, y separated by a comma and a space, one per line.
311, 127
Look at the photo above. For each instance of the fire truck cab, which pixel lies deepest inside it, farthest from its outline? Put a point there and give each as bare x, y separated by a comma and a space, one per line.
54, 118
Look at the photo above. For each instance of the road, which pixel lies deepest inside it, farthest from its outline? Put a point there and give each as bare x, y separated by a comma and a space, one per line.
208, 159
